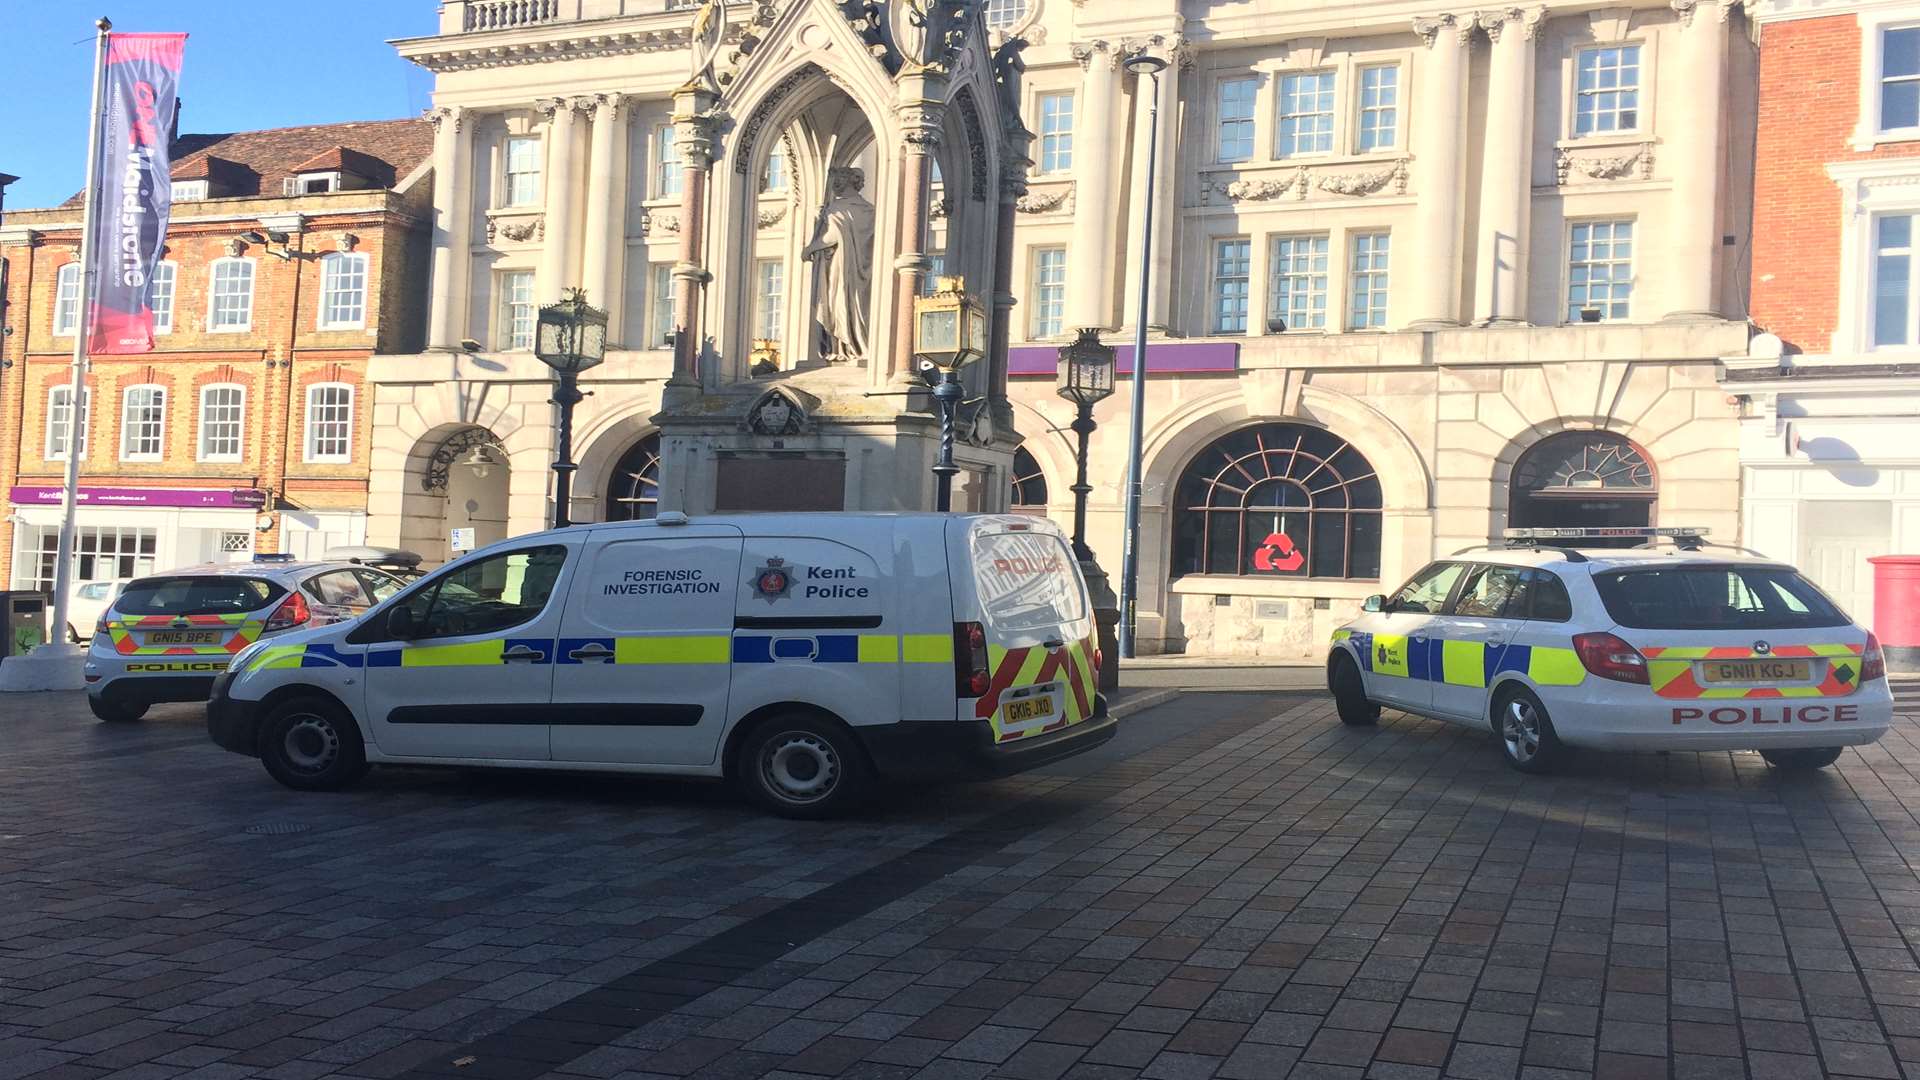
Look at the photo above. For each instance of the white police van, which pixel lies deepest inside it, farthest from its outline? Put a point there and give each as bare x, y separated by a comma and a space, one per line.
802, 655
1622, 649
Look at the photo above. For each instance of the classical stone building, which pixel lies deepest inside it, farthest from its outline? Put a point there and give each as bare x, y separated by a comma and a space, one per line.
1830, 436
293, 255
1418, 273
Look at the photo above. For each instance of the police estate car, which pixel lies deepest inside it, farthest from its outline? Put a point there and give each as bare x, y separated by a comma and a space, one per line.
1620, 649
802, 655
166, 636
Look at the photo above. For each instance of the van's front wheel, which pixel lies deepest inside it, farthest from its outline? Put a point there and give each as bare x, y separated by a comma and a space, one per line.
312, 745
802, 767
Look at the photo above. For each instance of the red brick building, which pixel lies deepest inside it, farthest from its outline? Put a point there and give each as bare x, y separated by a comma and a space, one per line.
1830, 447
292, 256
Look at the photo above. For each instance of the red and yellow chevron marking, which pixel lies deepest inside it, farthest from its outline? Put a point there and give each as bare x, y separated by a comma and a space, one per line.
1670, 670
245, 632
1034, 666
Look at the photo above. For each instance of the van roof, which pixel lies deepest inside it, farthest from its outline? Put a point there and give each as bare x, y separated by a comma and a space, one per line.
789, 519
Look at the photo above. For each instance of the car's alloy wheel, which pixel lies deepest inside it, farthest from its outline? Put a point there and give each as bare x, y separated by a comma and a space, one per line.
1520, 730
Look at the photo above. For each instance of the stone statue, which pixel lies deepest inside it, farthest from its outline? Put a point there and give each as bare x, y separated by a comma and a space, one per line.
709, 34
841, 250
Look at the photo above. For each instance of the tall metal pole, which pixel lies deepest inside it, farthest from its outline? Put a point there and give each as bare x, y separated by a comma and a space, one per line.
1130, 562
567, 395
77, 382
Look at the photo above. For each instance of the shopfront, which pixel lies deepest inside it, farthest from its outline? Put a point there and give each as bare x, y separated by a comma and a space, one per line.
122, 532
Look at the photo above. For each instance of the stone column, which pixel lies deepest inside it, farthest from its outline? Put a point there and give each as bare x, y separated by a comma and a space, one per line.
452, 217
554, 273
1506, 185
1693, 208
1166, 183
1433, 300
606, 206
1095, 150
693, 140
920, 128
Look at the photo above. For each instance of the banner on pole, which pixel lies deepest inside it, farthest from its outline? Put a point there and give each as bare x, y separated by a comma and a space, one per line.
136, 188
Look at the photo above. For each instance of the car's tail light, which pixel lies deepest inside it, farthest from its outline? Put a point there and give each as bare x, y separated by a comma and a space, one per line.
1873, 662
1610, 658
1099, 662
971, 677
100, 625
291, 612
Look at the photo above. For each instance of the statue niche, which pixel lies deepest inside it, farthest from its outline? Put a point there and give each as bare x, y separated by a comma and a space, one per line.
841, 252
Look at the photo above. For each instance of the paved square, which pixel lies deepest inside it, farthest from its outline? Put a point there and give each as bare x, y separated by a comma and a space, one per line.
1237, 886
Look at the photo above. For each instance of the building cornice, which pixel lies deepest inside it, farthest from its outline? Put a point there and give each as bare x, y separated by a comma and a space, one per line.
546, 42
1762, 12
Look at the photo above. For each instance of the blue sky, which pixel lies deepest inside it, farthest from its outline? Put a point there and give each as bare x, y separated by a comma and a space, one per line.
250, 64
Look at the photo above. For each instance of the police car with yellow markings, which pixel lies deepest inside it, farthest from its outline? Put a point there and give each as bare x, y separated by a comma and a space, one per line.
166, 636
1555, 646
802, 655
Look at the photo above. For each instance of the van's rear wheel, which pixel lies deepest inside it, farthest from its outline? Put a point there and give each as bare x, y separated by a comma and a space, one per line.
802, 767
311, 744
1350, 693
1802, 759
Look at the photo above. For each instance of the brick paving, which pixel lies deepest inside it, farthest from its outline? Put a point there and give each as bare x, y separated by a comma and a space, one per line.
1237, 887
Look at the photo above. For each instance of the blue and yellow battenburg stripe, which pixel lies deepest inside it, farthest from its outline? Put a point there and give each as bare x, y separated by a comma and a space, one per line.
1461, 663
659, 649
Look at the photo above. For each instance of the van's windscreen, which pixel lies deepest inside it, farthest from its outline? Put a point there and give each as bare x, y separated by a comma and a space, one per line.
1027, 581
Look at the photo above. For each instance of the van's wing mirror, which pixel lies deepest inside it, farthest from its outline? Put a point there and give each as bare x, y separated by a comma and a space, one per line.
400, 622
1374, 604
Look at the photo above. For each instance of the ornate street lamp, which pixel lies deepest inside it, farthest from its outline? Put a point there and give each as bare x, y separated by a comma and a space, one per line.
1086, 379
949, 329
571, 338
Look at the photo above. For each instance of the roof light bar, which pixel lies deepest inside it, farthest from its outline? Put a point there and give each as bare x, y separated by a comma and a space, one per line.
1604, 533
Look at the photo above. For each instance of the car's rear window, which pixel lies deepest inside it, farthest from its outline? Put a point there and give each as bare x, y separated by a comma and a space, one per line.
195, 595
1027, 581
1715, 597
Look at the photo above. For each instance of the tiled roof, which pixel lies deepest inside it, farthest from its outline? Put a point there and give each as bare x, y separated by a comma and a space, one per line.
383, 151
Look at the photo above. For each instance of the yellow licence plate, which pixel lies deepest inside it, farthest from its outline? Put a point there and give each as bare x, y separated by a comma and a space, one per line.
1756, 671
183, 637
1029, 709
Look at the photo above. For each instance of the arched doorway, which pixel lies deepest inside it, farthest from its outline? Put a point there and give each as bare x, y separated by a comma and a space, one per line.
1029, 484
633, 486
1278, 500
1583, 479
469, 469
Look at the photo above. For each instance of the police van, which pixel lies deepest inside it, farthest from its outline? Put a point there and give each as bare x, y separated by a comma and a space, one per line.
804, 656
1554, 646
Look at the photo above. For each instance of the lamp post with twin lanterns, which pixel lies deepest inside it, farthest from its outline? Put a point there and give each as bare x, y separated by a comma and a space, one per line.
1086, 379
571, 338
950, 328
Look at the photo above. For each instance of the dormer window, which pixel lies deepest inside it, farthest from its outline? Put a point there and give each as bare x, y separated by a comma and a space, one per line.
318, 183
189, 190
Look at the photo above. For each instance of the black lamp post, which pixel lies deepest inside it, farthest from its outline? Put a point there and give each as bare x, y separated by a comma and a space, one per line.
572, 337
949, 329
1086, 379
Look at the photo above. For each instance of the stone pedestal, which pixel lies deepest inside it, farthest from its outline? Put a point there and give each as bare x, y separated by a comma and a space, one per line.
54, 666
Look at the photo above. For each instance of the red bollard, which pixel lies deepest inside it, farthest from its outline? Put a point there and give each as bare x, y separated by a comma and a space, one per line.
1896, 609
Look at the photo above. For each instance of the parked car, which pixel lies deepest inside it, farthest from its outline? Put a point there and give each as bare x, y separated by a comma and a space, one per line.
86, 601
398, 562
1558, 648
164, 637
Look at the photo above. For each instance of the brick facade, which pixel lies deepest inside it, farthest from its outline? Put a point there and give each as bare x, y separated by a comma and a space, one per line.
282, 351
1809, 105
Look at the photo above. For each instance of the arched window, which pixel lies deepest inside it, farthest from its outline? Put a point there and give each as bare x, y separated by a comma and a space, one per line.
633, 491
1029, 484
1278, 500
1582, 479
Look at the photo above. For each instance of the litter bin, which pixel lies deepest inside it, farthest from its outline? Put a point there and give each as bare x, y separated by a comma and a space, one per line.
24, 615
1896, 609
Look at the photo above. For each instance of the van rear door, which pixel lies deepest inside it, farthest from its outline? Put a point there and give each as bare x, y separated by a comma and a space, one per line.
1036, 625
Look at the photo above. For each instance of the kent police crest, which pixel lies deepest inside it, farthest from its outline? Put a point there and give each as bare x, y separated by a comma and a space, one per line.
772, 581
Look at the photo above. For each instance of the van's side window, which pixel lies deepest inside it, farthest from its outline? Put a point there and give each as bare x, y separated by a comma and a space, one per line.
489, 595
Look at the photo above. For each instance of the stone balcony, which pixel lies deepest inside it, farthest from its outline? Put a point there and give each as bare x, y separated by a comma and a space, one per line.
481, 16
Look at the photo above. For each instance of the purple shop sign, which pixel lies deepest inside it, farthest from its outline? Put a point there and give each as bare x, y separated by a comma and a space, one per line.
1163, 358
243, 498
